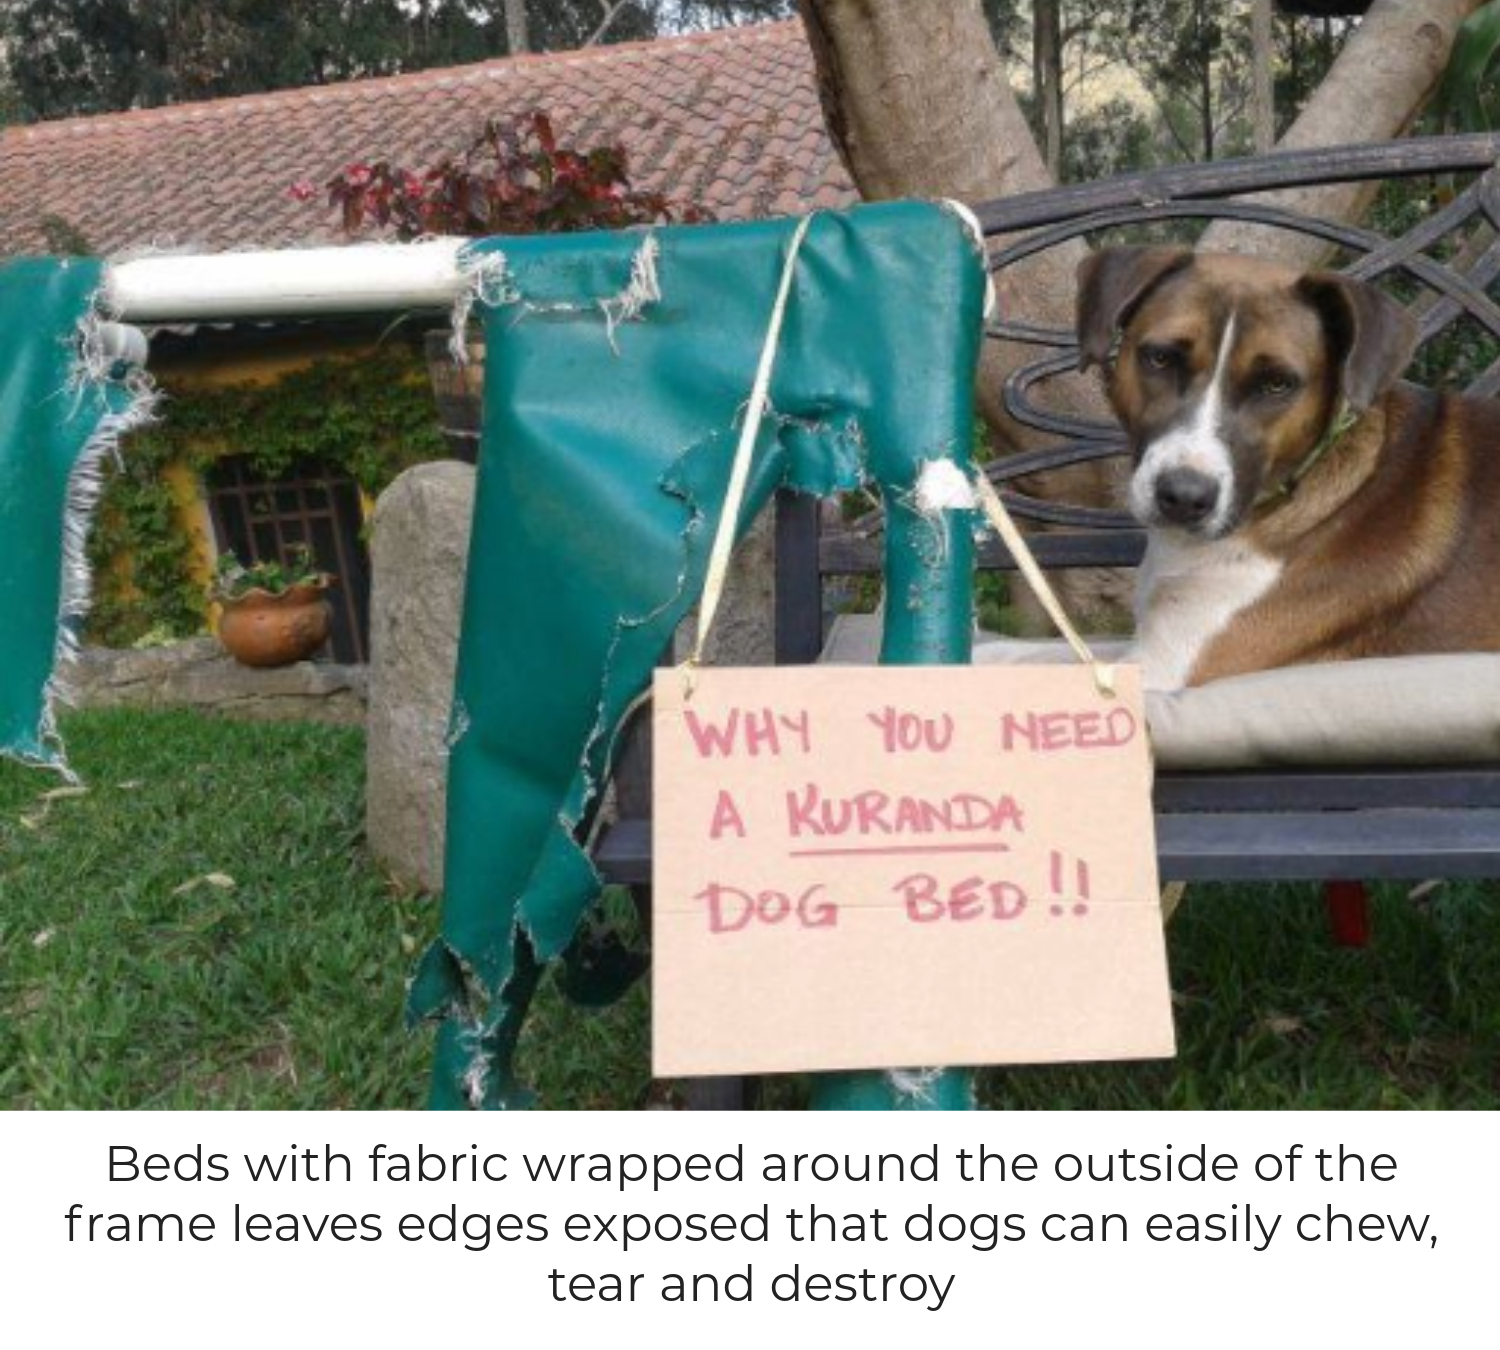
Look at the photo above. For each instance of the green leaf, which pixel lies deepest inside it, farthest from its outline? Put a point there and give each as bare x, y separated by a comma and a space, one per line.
1460, 100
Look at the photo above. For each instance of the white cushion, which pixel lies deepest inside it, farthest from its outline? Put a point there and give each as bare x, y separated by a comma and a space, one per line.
1402, 710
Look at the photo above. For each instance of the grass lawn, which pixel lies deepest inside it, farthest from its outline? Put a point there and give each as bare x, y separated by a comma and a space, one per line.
204, 928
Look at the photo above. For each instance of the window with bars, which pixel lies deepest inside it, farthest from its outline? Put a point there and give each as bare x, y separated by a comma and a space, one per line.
263, 519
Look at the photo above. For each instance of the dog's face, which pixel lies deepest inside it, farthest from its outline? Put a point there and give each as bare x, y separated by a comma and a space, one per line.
1228, 371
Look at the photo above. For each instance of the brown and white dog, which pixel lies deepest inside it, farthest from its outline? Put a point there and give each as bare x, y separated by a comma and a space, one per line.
1301, 506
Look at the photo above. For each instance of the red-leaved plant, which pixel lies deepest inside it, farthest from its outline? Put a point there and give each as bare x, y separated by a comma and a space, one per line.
516, 178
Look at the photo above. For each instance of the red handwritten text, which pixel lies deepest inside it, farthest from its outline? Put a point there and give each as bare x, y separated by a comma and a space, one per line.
1068, 730
752, 731
730, 909
928, 901
809, 812
907, 731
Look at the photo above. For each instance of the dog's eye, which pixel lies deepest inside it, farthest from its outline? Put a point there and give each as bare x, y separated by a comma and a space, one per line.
1155, 356
1278, 384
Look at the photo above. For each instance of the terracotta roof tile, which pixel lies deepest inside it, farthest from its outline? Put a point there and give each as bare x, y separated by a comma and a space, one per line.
727, 119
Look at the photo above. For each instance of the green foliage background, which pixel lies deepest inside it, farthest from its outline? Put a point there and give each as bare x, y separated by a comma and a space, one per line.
371, 418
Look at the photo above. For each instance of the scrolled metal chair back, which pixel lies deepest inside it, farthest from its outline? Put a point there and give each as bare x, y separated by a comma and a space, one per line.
1447, 264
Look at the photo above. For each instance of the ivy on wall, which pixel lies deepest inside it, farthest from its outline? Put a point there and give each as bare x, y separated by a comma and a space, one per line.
372, 418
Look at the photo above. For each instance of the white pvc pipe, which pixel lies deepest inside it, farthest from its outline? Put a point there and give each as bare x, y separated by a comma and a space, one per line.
359, 278
121, 342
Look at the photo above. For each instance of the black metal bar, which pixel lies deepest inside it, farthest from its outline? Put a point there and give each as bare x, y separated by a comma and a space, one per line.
1484, 271
1034, 334
853, 555
1060, 513
1486, 385
799, 581
1348, 789
1329, 845
1063, 455
1397, 252
1229, 178
718, 1094
633, 767
623, 854
1188, 208
1018, 385
1317, 845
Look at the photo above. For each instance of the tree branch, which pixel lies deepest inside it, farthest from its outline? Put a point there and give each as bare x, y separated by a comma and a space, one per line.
611, 13
1374, 91
1188, 152
1086, 73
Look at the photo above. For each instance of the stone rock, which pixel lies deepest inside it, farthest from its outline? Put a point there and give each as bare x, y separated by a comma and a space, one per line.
199, 674
744, 631
419, 553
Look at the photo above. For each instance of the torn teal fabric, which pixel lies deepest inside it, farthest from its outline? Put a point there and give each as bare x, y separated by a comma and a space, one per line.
617, 370
62, 410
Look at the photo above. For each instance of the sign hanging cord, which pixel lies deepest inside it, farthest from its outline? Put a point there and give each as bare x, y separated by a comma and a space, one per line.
995, 512
1103, 673
739, 474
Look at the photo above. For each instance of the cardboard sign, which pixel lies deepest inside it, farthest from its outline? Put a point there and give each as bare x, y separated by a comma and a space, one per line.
866, 867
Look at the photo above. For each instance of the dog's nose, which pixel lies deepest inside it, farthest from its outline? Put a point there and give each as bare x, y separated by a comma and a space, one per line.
1186, 497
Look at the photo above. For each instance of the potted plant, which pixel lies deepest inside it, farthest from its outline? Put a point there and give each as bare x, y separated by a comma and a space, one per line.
272, 613
516, 177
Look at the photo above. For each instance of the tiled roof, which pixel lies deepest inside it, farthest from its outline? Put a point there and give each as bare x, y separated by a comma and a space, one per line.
729, 120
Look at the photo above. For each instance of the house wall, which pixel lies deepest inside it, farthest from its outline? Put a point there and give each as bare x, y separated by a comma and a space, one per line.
210, 359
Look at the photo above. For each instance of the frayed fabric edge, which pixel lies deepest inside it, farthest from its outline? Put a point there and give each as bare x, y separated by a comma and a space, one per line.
91, 374
914, 1084
644, 288
487, 280
971, 223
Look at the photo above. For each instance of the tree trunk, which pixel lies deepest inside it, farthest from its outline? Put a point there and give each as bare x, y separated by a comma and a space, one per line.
1374, 92
517, 29
918, 104
1263, 49
1205, 82
1047, 79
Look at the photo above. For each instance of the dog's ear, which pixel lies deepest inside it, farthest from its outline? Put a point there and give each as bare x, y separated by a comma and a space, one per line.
1372, 337
1112, 283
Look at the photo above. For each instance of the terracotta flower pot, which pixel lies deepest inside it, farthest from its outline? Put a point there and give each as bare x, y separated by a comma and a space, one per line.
262, 629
